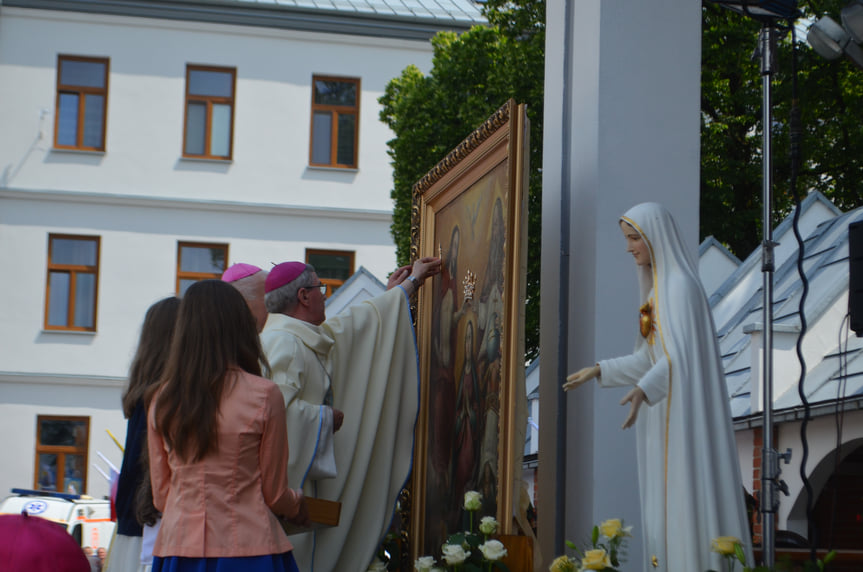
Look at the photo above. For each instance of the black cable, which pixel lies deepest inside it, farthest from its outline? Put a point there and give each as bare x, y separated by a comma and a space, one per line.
842, 380
796, 134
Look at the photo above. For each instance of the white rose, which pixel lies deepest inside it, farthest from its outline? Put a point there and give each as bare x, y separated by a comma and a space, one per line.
488, 525
454, 554
493, 550
472, 500
424, 564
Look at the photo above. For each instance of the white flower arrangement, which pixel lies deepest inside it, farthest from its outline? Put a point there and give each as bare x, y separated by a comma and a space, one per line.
468, 551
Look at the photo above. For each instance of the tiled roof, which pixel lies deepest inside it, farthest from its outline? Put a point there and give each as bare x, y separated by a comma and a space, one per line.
464, 11
835, 361
408, 19
457, 10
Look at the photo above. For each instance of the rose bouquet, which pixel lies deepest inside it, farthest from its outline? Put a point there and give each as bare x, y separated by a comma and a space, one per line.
731, 549
469, 551
607, 549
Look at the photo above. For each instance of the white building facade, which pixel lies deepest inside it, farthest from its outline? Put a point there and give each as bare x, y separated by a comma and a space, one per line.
147, 145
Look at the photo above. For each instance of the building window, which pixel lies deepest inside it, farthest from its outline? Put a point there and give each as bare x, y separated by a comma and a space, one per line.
335, 122
209, 112
199, 261
82, 103
73, 282
61, 453
333, 267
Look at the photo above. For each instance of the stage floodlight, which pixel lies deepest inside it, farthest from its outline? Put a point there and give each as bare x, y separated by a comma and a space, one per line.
852, 20
828, 38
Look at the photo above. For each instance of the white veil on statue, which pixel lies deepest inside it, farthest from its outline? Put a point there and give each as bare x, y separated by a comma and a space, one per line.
689, 475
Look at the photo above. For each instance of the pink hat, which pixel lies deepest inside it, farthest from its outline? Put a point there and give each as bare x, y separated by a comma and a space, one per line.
238, 271
38, 545
282, 274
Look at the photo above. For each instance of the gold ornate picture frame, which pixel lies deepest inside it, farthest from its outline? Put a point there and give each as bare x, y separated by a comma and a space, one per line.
471, 210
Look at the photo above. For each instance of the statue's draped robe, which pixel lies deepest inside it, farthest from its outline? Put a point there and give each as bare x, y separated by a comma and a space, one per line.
369, 353
689, 476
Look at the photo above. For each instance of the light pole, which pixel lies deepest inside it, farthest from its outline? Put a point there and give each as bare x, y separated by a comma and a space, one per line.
769, 13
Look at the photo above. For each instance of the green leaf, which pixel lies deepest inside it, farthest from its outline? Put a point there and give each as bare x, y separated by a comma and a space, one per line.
738, 551
594, 537
571, 544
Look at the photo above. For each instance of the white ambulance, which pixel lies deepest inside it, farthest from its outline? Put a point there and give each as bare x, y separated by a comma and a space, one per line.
87, 519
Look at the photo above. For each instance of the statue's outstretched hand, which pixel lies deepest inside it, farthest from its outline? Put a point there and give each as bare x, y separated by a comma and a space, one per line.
581, 377
635, 398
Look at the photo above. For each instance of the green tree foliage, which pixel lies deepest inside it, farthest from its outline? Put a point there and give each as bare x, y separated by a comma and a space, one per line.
472, 75
476, 72
831, 100
730, 129
830, 95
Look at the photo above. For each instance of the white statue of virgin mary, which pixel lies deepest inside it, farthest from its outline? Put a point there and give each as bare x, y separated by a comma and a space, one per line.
688, 472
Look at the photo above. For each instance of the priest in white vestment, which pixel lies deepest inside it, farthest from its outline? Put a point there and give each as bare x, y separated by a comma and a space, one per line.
688, 472
351, 387
249, 280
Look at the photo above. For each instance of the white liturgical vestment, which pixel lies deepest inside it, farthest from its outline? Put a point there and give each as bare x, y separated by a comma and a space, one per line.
365, 360
688, 472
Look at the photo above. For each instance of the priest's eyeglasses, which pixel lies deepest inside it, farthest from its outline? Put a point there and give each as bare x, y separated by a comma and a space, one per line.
320, 286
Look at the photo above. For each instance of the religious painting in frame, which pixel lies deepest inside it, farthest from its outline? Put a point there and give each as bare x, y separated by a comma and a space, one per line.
471, 210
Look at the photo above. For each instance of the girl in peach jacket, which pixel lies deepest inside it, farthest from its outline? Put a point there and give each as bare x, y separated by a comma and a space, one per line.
218, 445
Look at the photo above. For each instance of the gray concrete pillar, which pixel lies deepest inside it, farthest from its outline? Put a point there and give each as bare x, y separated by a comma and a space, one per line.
621, 127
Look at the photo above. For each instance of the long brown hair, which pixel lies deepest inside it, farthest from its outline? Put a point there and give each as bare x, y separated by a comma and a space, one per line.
152, 353
215, 331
